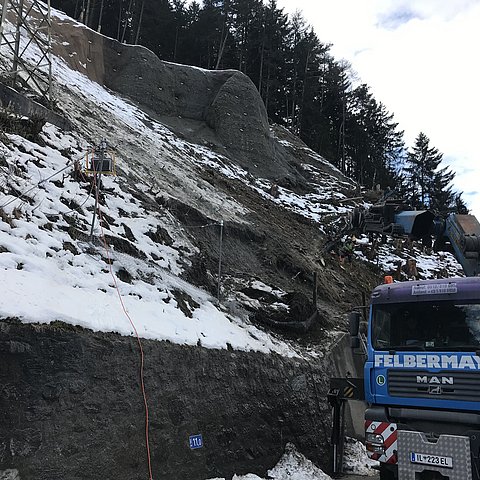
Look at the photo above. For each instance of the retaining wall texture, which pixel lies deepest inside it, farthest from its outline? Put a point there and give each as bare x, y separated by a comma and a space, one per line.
71, 407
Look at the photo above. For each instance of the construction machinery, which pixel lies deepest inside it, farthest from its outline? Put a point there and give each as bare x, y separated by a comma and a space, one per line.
421, 378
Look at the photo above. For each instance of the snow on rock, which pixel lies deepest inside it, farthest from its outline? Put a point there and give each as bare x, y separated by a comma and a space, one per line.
356, 460
294, 466
391, 258
291, 466
248, 476
51, 272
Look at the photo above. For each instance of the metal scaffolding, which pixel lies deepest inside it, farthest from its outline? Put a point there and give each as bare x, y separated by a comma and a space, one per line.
29, 44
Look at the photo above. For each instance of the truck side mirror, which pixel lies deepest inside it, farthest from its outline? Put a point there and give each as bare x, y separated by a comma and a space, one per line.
354, 323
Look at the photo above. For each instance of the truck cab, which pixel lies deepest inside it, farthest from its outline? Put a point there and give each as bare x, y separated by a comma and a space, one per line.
422, 379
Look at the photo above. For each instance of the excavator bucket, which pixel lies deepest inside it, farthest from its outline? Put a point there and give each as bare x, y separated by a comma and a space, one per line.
463, 232
468, 224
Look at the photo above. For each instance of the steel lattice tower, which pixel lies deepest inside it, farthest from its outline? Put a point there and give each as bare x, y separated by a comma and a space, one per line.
29, 45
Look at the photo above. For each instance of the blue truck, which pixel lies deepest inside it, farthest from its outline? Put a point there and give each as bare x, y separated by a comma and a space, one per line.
421, 379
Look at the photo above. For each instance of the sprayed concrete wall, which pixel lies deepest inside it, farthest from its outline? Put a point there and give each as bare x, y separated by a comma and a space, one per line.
71, 407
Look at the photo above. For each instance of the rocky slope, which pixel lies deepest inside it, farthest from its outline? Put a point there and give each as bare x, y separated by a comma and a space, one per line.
194, 151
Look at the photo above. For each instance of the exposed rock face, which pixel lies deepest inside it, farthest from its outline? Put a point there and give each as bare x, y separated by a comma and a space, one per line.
72, 407
165, 88
239, 118
226, 101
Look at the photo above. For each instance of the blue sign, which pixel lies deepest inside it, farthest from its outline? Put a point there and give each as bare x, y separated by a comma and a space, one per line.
196, 441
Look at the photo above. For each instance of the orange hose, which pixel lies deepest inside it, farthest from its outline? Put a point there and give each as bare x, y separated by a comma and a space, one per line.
107, 251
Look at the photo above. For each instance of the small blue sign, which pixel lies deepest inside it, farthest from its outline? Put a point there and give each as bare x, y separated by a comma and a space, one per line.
196, 441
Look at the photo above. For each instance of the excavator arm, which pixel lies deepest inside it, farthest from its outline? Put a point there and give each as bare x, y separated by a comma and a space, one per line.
460, 234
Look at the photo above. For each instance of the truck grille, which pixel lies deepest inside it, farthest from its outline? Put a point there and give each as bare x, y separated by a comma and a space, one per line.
444, 385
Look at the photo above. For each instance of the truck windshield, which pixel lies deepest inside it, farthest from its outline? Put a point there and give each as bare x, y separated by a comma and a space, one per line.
426, 326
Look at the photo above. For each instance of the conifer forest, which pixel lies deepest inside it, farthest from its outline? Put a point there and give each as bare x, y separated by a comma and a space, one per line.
304, 88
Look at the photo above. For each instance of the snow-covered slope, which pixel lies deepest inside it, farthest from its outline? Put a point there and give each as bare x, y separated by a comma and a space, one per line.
52, 272
133, 275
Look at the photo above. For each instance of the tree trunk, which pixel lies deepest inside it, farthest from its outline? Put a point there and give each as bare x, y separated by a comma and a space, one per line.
99, 27
267, 88
175, 45
304, 87
88, 12
223, 37
262, 54
119, 19
76, 15
129, 11
139, 25
220, 53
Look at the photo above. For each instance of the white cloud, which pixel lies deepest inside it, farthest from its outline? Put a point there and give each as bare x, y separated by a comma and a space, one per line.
419, 58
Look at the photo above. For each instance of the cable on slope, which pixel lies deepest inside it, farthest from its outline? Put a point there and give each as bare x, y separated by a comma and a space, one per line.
142, 356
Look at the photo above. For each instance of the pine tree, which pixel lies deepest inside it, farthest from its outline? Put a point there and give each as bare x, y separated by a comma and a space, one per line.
158, 29
429, 185
374, 145
459, 205
312, 54
190, 37
297, 59
246, 31
422, 162
207, 33
442, 197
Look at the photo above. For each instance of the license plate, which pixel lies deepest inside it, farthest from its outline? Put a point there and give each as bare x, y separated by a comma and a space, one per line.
435, 460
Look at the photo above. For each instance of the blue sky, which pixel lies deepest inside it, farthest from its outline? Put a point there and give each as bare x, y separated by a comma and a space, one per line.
420, 58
